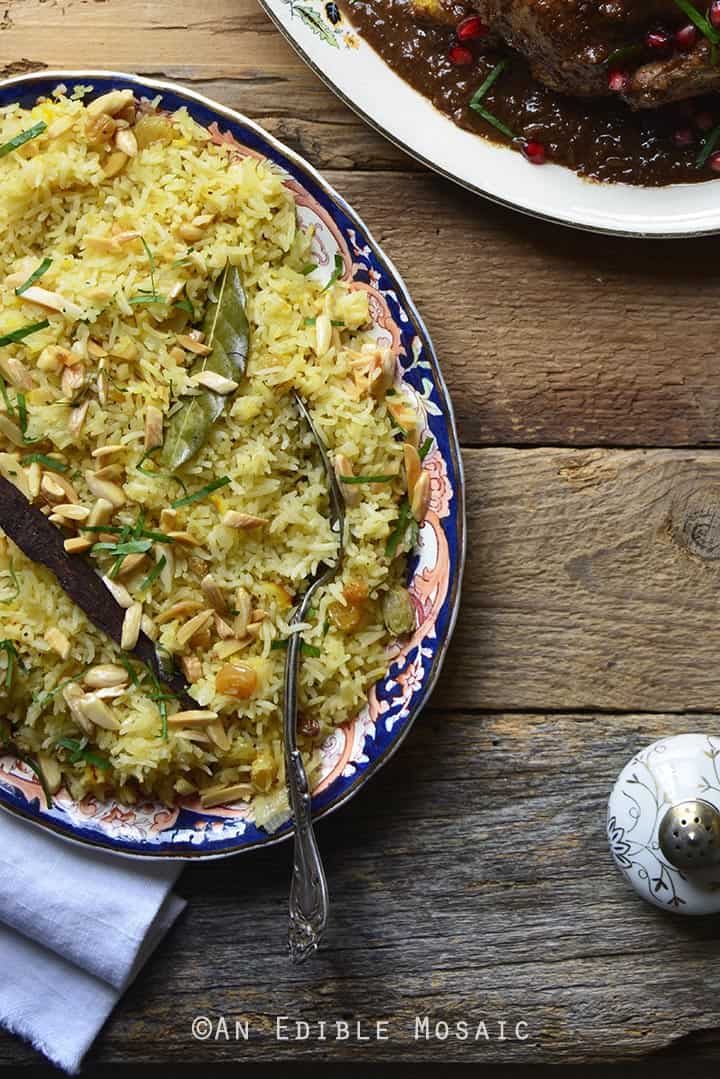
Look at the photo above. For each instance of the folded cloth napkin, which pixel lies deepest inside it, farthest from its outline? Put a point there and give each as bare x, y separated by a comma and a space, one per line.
76, 926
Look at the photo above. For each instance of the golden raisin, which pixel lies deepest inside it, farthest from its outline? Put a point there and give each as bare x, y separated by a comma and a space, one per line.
356, 592
236, 680
346, 619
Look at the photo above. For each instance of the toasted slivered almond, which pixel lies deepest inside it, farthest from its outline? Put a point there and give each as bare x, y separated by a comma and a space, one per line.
323, 334
185, 539
114, 164
17, 373
202, 220
175, 290
149, 628
51, 771
382, 374
194, 717
110, 692
153, 428
105, 674
168, 519
105, 489
107, 451
420, 499
217, 796
73, 380
95, 709
191, 345
77, 417
34, 476
108, 244
258, 615
413, 466
190, 233
243, 606
225, 649
218, 734
77, 545
57, 128
167, 573
126, 142
233, 519
101, 512
58, 642
118, 591
51, 487
217, 383
213, 593
192, 668
51, 358
131, 563
223, 630
11, 431
254, 629
72, 695
72, 512
178, 355
131, 627
96, 350
192, 626
182, 607
196, 734
53, 301
343, 467
110, 104
113, 471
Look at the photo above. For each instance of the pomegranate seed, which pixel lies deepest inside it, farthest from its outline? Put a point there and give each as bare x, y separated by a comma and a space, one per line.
714, 14
686, 38
683, 137
471, 28
704, 121
460, 56
658, 40
618, 81
714, 161
534, 151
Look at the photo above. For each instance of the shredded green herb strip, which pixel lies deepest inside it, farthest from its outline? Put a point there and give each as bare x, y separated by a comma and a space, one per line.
708, 146
197, 496
14, 662
703, 24
22, 332
23, 137
15, 583
425, 449
403, 523
308, 268
78, 752
281, 645
156, 473
6, 397
154, 574
337, 272
23, 419
7, 742
50, 463
185, 305
151, 297
367, 479
625, 52
488, 83
498, 124
34, 276
42, 698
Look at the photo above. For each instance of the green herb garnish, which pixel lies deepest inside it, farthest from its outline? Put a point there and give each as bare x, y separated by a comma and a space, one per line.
425, 449
154, 574
6, 397
367, 479
47, 462
185, 305
401, 527
22, 332
78, 752
308, 268
703, 24
14, 662
149, 298
42, 699
23, 419
708, 146
488, 83
496, 123
197, 496
23, 137
281, 644
34, 276
337, 272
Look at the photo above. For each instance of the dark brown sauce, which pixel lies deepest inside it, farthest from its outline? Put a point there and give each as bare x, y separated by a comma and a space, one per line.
601, 138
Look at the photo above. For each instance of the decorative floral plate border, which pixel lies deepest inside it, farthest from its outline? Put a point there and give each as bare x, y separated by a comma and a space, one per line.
357, 750
325, 39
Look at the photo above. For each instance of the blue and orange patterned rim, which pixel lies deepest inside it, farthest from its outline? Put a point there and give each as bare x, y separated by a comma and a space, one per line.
357, 751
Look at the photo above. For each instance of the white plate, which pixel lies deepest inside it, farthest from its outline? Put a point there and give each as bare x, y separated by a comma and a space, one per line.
364, 81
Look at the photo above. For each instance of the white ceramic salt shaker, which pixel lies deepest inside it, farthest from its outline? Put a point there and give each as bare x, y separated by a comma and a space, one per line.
664, 823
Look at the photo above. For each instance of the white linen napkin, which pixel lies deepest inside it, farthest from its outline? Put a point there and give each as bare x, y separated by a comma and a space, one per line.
76, 926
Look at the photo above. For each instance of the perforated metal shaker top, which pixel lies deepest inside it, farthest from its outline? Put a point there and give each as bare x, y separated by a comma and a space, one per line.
690, 835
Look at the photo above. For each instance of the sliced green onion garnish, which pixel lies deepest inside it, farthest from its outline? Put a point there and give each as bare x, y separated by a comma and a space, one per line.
23, 418
401, 527
425, 449
23, 331
154, 574
197, 496
34, 276
152, 297
281, 644
487, 84
488, 116
337, 272
185, 305
704, 25
367, 479
78, 752
708, 146
10, 407
308, 268
13, 661
23, 137
47, 462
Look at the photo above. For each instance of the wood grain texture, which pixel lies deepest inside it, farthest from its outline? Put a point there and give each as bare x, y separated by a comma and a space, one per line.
545, 335
592, 581
472, 882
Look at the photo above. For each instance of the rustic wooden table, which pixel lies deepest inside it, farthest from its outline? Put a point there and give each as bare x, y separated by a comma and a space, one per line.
471, 880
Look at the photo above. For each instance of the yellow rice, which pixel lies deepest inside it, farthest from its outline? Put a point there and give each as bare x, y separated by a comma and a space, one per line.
56, 201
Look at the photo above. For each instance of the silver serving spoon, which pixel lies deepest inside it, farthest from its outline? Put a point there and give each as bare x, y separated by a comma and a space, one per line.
308, 889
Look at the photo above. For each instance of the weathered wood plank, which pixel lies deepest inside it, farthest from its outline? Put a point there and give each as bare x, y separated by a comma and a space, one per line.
470, 881
592, 581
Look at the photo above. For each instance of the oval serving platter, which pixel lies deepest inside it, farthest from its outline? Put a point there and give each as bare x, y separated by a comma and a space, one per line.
355, 751
328, 43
